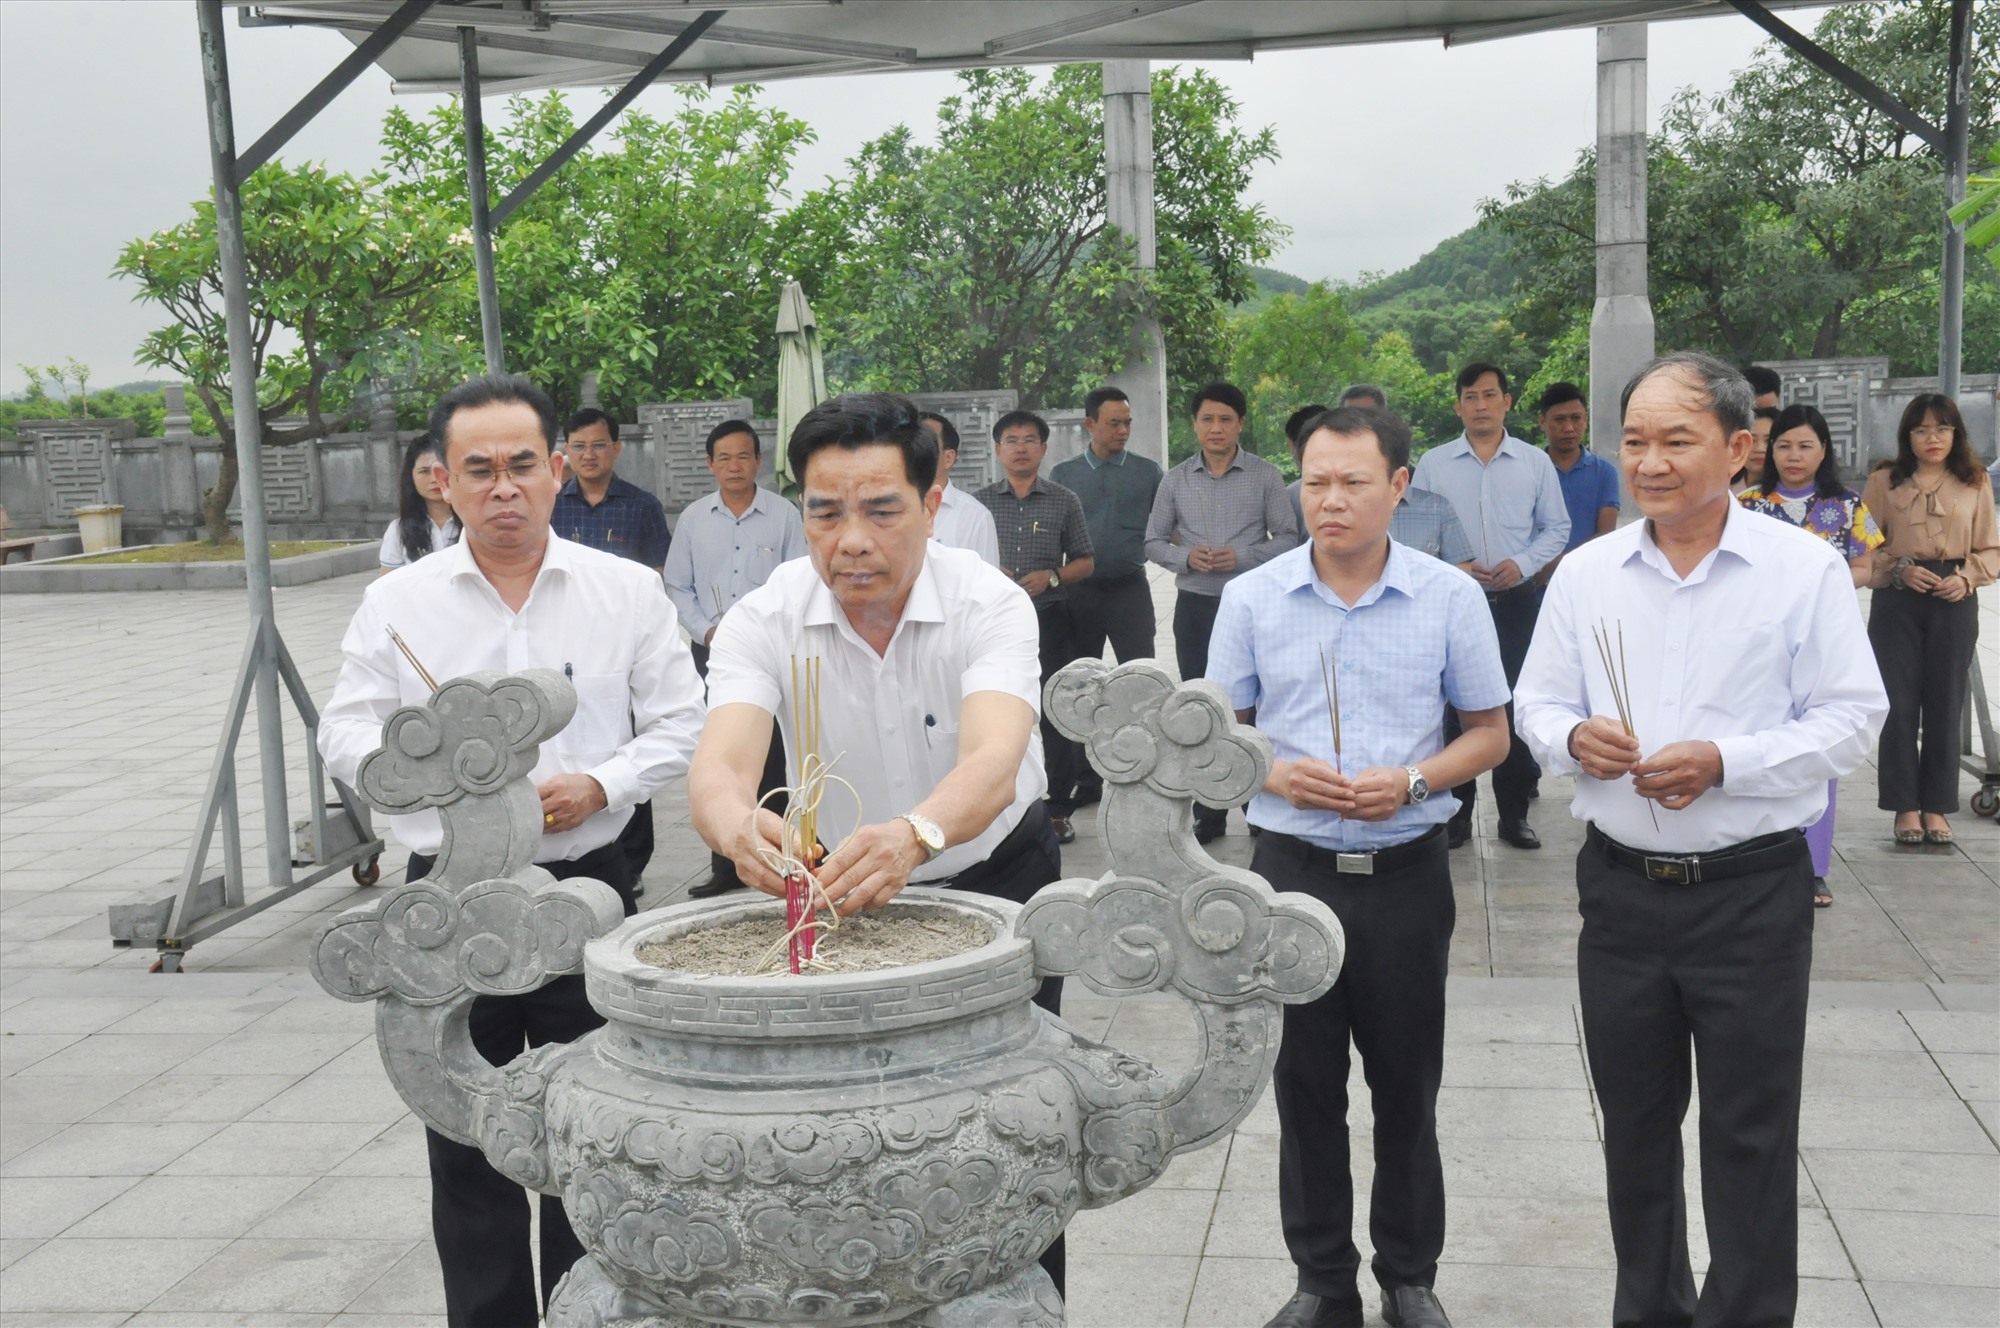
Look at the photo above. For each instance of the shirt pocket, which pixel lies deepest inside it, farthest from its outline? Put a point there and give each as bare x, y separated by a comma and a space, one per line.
603, 720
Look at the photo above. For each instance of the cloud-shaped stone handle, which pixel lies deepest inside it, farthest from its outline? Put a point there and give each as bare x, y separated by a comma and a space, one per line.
1139, 726
478, 733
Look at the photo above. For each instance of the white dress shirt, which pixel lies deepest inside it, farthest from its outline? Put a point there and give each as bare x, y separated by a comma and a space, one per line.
393, 553
1511, 506
963, 522
1761, 650
718, 557
601, 619
889, 723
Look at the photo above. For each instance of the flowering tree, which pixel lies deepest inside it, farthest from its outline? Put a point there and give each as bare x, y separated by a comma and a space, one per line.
342, 284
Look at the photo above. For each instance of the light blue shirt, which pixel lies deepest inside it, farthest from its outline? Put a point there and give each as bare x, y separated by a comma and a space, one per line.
718, 557
1511, 506
1419, 637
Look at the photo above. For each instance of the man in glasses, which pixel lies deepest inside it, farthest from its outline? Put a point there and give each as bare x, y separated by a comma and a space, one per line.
596, 507
511, 595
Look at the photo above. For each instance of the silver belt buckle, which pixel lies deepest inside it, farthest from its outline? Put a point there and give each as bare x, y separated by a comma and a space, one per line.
1354, 864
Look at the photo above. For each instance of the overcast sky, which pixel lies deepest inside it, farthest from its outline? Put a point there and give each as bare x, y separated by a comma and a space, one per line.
1385, 150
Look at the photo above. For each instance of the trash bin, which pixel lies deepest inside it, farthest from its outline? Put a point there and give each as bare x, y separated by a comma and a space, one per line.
101, 527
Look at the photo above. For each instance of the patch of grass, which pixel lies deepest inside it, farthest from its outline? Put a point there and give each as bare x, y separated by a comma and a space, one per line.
201, 551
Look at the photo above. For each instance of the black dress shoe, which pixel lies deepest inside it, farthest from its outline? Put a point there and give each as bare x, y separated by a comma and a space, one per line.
1207, 832
717, 884
1065, 832
1534, 790
1413, 1307
1305, 1310
1520, 834
1457, 834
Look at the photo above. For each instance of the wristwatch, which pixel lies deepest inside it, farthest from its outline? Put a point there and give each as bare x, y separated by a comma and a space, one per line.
929, 833
1420, 787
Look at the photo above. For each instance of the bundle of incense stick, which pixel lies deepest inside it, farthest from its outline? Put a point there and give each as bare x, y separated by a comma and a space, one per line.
799, 907
1329, 674
1620, 679
415, 663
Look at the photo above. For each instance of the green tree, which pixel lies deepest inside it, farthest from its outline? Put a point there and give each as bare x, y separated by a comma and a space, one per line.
338, 276
654, 260
1293, 351
989, 260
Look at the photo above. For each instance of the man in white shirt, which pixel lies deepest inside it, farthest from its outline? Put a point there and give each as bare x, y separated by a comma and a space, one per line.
1729, 644
512, 595
962, 521
1509, 499
929, 686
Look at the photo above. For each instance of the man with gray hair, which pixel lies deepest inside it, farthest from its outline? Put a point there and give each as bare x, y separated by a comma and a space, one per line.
1698, 672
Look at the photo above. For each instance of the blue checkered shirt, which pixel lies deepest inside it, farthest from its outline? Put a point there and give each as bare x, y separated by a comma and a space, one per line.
629, 522
1419, 637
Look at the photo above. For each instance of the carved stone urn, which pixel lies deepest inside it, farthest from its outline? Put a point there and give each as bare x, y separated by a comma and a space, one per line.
897, 1146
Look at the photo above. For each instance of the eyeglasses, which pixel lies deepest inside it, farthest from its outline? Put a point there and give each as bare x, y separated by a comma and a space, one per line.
588, 449
1926, 435
478, 479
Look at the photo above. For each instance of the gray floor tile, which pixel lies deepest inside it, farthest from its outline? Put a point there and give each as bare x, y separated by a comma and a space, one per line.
354, 1207
14, 1249
37, 1207
1253, 1163
1481, 1293
1859, 1030
110, 1149
1929, 1305
22, 1051
1540, 1023
67, 1014
1129, 1290
274, 1053
1921, 1247
1246, 1226
273, 1148
84, 1275
414, 1285
1956, 1030
1516, 1113
1155, 1221
184, 1017
1530, 1168
215, 1319
1201, 1170
1906, 1182
1229, 1293
64, 1319
331, 1097
177, 1206
193, 1097
1826, 1302
1537, 1233
108, 1053
396, 1151
1972, 1074
254, 1275
1907, 1124
17, 1137
1512, 1065
1901, 1074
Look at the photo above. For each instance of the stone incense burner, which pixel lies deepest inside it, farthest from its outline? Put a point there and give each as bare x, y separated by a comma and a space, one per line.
889, 1147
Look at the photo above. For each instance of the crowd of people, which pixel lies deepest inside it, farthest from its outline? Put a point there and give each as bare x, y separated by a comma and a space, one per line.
1395, 631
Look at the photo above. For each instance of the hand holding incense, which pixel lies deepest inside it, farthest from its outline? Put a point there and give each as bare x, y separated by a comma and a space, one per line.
1330, 676
1619, 677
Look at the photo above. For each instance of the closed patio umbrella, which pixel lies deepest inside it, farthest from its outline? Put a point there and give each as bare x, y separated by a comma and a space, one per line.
801, 375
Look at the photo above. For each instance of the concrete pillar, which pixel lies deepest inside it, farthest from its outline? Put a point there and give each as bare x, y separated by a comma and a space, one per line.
180, 490
1621, 323
1128, 171
385, 452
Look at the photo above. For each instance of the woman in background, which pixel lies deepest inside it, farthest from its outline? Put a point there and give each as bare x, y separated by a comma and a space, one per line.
1936, 507
1800, 483
424, 522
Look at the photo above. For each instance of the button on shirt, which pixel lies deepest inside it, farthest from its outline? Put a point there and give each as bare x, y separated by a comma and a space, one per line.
1117, 498
1587, 487
889, 723
1422, 521
603, 620
962, 522
1045, 529
1244, 509
1418, 638
1511, 506
629, 521
1761, 650
719, 557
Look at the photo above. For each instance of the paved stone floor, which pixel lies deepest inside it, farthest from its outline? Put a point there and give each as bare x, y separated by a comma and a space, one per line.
220, 1146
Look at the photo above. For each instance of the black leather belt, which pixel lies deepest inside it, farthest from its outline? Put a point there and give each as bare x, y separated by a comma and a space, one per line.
1759, 854
1381, 862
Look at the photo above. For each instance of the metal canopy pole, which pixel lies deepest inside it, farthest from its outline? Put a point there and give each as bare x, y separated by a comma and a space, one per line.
1951, 275
249, 436
475, 185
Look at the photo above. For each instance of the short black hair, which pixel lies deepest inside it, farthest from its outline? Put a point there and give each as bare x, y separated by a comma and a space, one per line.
1827, 478
1559, 394
854, 420
1299, 417
1014, 419
727, 429
1763, 379
1765, 413
1095, 401
947, 431
489, 390
1391, 434
1367, 390
1222, 394
588, 416
1478, 369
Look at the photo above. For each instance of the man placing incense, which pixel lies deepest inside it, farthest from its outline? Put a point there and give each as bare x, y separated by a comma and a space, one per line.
1348, 649
925, 692
1697, 670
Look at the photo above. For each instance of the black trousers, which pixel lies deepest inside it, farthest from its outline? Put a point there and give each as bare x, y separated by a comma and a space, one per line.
1514, 615
1721, 967
1389, 999
479, 1218
773, 777
1022, 863
1194, 623
1924, 648
1061, 757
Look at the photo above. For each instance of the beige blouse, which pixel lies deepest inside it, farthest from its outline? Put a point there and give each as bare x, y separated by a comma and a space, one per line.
1949, 519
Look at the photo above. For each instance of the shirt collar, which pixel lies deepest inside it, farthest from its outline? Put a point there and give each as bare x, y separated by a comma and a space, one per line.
924, 604
557, 556
1509, 446
1200, 462
714, 503
1299, 573
1117, 458
1738, 541
618, 488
